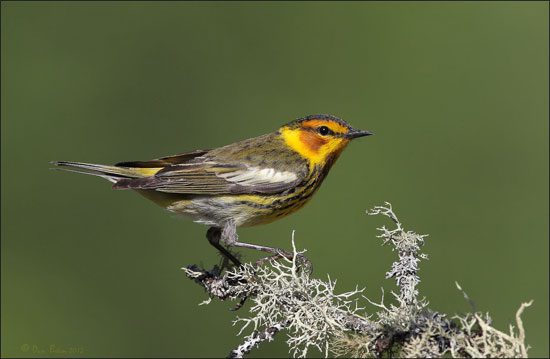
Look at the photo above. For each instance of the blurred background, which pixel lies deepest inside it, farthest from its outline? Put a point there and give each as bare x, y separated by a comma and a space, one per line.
457, 94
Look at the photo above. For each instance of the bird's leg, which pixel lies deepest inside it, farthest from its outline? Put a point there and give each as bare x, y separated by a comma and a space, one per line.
230, 237
213, 235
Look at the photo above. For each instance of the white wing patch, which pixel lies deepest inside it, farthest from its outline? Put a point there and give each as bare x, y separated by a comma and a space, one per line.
258, 176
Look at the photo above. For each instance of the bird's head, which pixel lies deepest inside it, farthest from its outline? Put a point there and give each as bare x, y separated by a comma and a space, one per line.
319, 138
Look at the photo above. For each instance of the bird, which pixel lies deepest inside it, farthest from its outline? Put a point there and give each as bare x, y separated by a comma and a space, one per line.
247, 183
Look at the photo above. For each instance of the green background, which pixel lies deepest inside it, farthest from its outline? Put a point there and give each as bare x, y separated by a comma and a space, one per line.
457, 94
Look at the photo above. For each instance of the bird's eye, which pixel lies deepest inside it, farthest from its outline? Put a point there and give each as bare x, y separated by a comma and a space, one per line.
324, 130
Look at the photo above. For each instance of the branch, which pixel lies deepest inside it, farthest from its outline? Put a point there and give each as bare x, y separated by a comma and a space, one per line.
254, 339
284, 296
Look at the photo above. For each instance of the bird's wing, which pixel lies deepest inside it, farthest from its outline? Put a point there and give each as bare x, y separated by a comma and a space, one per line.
257, 165
215, 178
164, 161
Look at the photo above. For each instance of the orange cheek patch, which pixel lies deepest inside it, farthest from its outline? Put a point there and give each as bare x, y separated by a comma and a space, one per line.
311, 141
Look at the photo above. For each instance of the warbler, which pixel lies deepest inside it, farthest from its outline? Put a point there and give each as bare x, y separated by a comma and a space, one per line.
246, 183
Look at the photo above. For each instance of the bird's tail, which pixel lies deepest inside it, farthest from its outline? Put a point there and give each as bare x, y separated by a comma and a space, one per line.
110, 173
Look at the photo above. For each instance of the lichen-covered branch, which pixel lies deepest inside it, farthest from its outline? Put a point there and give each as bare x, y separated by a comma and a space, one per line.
255, 339
407, 244
284, 296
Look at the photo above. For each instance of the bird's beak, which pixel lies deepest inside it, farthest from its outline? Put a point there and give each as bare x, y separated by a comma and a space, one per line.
357, 133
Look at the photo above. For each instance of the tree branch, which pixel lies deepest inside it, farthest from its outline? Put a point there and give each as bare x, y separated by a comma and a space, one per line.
284, 296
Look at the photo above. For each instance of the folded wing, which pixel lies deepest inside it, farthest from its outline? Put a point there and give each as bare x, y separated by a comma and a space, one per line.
214, 178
